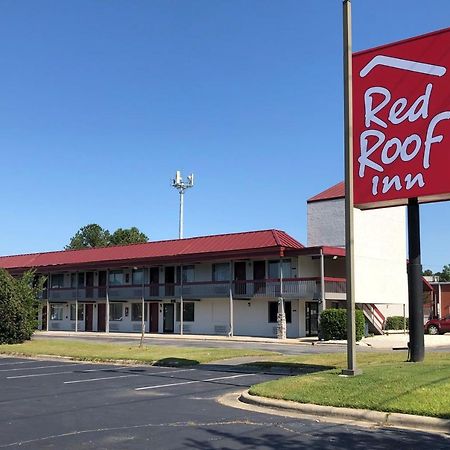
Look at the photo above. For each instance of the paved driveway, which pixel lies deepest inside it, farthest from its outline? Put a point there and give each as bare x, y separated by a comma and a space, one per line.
66, 405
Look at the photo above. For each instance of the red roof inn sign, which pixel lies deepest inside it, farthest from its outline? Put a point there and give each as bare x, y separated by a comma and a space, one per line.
401, 125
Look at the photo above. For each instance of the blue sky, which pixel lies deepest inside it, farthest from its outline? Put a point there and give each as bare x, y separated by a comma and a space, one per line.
102, 101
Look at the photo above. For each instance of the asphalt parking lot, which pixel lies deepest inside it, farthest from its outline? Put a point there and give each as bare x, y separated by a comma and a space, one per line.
66, 405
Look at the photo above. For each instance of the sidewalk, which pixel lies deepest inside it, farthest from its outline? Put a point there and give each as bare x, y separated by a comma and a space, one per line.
400, 340
384, 342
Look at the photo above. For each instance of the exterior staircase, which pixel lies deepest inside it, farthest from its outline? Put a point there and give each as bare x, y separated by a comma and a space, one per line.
375, 317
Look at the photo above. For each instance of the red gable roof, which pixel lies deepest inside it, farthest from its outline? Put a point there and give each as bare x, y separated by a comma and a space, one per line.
336, 191
207, 246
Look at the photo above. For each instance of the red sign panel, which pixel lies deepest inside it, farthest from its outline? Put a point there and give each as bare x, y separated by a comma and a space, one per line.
401, 122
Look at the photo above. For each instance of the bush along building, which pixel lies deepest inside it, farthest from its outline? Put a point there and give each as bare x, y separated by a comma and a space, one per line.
259, 283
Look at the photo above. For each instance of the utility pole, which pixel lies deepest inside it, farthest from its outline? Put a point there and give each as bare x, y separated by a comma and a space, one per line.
349, 232
181, 186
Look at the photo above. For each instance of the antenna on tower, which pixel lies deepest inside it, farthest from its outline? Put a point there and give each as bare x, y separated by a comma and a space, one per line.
181, 186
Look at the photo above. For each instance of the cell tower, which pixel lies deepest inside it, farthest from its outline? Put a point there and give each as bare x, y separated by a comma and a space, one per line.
181, 186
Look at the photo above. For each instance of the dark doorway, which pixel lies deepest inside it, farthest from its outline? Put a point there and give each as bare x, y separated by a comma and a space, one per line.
154, 281
102, 284
259, 273
168, 316
169, 280
89, 315
154, 313
89, 284
312, 318
101, 317
44, 318
240, 277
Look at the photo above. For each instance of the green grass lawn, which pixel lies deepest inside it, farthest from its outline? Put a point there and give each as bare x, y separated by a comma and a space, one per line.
149, 354
388, 383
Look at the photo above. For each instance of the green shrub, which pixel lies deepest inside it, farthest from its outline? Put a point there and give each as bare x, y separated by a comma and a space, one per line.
333, 324
18, 306
395, 323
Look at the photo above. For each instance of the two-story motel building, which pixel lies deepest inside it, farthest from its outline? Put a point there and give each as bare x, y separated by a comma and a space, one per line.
229, 284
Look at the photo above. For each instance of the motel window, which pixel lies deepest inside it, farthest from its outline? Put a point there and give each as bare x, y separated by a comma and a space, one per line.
57, 280
188, 274
80, 312
115, 311
81, 279
274, 269
273, 312
56, 312
188, 312
116, 277
137, 277
221, 272
136, 312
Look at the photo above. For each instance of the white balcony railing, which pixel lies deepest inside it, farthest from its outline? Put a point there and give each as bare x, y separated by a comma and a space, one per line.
303, 288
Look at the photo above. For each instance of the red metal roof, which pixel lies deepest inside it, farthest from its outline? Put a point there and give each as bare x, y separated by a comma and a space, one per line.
336, 191
210, 246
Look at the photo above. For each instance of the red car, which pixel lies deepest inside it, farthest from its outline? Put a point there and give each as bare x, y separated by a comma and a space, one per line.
438, 326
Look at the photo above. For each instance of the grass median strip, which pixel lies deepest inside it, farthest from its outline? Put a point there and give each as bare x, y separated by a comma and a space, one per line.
388, 383
149, 354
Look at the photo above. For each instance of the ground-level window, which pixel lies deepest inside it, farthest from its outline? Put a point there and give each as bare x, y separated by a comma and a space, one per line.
56, 312
273, 311
188, 312
115, 311
80, 312
136, 312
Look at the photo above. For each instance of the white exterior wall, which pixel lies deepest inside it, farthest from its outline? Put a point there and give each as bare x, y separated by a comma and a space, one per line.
326, 223
308, 267
251, 318
380, 248
380, 256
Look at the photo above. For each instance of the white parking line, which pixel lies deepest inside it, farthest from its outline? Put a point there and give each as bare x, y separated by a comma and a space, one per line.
102, 378
41, 367
171, 371
124, 376
193, 382
15, 377
15, 362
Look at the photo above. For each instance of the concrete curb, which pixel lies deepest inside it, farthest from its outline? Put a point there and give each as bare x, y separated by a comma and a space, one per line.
423, 423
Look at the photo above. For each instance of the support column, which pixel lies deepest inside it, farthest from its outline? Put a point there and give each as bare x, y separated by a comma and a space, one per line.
231, 330
107, 302
322, 281
281, 316
48, 313
322, 302
415, 286
181, 299
76, 302
143, 309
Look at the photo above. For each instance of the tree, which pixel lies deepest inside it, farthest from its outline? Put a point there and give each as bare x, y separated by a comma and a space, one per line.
125, 236
93, 235
89, 236
427, 273
445, 274
18, 306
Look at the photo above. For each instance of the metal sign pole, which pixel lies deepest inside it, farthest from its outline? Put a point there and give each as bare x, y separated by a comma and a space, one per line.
415, 287
349, 243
